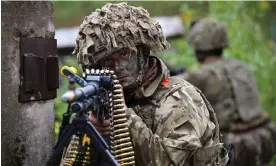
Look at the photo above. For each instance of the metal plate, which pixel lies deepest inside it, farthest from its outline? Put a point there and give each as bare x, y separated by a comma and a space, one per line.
38, 69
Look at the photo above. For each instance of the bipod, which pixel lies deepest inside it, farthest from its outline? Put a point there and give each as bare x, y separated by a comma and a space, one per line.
81, 125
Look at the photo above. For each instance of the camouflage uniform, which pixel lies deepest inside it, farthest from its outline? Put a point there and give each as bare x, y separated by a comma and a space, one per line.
231, 90
173, 124
170, 121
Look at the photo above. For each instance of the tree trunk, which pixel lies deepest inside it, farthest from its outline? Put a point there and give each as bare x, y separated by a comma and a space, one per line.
27, 129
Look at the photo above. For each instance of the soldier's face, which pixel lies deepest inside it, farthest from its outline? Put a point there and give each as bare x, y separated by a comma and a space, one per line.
125, 65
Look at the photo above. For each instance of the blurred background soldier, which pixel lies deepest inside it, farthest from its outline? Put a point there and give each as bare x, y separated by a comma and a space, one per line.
170, 121
230, 88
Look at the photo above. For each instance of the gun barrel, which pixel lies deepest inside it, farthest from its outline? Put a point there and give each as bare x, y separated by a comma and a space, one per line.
86, 91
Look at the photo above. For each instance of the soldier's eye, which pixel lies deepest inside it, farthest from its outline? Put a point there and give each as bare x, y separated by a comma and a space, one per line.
124, 54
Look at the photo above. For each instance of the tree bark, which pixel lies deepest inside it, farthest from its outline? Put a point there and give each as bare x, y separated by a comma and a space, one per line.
27, 129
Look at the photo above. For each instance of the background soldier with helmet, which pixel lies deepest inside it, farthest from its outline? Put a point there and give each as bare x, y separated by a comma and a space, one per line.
231, 90
170, 121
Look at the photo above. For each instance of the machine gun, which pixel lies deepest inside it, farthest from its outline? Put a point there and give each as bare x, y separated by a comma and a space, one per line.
79, 142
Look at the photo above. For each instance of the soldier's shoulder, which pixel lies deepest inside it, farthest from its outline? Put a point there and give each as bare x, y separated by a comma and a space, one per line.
216, 64
180, 89
176, 83
235, 63
183, 103
201, 72
210, 68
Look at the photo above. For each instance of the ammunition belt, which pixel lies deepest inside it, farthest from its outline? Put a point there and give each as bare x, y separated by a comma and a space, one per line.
120, 142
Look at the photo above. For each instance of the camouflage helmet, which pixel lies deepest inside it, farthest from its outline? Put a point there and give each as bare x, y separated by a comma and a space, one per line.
113, 27
208, 34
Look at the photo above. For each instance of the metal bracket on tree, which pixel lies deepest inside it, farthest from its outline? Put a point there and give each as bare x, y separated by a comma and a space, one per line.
39, 78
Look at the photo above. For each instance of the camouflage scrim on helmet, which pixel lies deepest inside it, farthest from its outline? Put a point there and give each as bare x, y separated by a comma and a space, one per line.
208, 34
117, 26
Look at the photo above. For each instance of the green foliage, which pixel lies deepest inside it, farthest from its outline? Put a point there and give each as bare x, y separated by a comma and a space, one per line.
180, 54
273, 161
61, 107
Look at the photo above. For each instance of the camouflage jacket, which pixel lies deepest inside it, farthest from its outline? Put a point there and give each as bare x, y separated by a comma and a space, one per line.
171, 123
230, 88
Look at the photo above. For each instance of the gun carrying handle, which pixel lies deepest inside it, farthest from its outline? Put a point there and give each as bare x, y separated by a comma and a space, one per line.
64, 74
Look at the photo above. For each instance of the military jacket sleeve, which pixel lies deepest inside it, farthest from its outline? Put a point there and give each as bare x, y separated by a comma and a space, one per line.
182, 126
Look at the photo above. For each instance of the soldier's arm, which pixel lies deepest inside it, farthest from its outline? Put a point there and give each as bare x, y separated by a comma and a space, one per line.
183, 121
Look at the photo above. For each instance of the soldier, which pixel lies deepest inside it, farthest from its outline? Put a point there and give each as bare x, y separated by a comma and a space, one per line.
170, 121
231, 90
